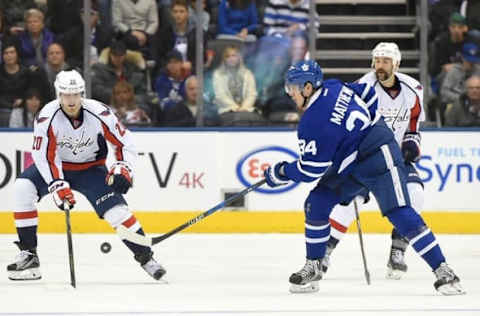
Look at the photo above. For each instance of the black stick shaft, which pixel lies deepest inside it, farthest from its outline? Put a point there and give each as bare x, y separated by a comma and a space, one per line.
156, 240
70, 248
360, 236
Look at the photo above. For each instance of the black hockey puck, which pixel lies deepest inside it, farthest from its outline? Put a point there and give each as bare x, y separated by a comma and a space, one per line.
105, 247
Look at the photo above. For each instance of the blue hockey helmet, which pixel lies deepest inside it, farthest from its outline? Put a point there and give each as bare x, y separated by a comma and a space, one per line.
302, 72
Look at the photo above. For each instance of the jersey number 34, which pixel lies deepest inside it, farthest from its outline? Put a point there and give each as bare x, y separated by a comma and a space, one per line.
305, 148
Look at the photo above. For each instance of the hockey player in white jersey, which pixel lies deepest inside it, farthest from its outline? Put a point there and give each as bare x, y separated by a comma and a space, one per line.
400, 101
69, 151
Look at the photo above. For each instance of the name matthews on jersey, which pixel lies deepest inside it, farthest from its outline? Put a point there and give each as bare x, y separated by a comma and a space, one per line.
341, 105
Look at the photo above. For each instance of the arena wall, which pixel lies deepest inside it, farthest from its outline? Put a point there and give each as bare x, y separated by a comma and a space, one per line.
180, 173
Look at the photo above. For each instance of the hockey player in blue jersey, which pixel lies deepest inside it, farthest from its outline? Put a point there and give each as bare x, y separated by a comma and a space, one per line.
347, 148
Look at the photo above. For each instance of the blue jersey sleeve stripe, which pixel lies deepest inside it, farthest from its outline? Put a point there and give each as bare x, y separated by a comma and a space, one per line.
308, 173
372, 100
315, 163
366, 91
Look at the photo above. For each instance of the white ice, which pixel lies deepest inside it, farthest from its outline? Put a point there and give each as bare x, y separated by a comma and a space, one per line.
234, 274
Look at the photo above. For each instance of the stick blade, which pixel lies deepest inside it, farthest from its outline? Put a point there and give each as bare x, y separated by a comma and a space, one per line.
125, 233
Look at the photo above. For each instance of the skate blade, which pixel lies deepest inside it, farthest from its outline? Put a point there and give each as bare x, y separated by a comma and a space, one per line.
394, 274
305, 288
451, 289
25, 275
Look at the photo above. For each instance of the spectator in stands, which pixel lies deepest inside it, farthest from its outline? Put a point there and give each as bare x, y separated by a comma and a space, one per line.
23, 114
136, 21
36, 39
465, 111
286, 17
192, 15
179, 36
454, 83
299, 48
439, 12
63, 15
55, 62
104, 76
13, 11
72, 40
170, 81
125, 107
235, 88
3, 31
15, 80
238, 18
184, 113
447, 49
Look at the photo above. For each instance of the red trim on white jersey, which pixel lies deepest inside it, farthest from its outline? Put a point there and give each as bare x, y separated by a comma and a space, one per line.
51, 153
70, 166
114, 140
415, 114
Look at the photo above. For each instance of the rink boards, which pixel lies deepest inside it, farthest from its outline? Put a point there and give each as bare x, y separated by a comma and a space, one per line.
180, 173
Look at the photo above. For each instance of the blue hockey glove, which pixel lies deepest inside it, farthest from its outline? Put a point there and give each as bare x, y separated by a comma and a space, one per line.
120, 177
411, 147
275, 176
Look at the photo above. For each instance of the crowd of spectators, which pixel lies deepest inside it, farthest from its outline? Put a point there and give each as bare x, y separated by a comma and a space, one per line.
454, 61
143, 58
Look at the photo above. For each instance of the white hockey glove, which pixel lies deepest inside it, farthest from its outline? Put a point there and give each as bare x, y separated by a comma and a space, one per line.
62, 194
275, 175
120, 177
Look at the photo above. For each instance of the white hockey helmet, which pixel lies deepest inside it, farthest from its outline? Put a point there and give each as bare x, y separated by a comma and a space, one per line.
389, 50
69, 82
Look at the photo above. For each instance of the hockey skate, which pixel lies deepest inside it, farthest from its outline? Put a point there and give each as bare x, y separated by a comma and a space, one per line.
447, 282
152, 267
26, 266
306, 280
396, 264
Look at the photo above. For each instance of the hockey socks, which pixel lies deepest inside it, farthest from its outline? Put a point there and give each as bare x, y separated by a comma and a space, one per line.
317, 233
409, 224
26, 223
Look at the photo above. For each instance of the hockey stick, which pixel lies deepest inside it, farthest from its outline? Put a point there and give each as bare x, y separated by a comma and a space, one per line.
70, 246
360, 236
124, 233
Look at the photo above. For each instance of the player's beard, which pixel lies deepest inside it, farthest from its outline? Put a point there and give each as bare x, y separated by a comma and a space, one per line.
382, 75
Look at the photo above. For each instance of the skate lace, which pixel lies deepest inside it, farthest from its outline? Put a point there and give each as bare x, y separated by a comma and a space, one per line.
152, 266
22, 256
307, 269
397, 255
445, 272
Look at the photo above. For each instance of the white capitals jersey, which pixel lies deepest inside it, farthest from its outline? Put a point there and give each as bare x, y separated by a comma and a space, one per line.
402, 109
60, 143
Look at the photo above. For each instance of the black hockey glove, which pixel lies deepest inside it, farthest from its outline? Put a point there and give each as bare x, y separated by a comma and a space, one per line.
120, 177
411, 147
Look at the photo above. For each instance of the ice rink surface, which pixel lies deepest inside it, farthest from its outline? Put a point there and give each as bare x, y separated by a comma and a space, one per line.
237, 274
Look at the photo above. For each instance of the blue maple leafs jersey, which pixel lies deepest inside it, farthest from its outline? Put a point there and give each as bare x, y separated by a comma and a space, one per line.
336, 120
